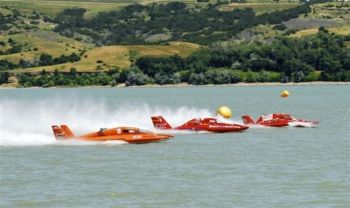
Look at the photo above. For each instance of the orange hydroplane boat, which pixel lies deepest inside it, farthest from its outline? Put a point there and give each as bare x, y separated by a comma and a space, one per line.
198, 124
127, 134
278, 120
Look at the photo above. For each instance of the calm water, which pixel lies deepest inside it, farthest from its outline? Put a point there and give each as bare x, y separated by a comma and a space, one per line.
262, 167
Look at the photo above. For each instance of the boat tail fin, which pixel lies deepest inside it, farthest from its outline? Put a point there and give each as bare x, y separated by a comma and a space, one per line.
160, 123
62, 132
247, 119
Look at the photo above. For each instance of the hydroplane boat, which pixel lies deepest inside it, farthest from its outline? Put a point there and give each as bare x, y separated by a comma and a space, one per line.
278, 120
200, 124
126, 134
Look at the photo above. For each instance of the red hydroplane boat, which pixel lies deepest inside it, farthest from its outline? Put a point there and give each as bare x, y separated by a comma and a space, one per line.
198, 124
126, 134
278, 120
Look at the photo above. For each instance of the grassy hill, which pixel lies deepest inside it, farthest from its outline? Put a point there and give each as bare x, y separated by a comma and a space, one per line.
107, 57
51, 8
331, 14
41, 39
344, 30
38, 42
260, 8
335, 16
36, 37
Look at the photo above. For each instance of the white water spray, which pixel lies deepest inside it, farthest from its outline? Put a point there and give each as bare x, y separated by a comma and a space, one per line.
29, 122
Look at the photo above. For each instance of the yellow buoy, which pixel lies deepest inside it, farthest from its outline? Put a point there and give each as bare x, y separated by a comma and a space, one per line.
224, 111
284, 94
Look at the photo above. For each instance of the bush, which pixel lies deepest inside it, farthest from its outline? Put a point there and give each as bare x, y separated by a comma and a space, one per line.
6, 65
250, 77
4, 77
137, 78
45, 59
280, 27
198, 79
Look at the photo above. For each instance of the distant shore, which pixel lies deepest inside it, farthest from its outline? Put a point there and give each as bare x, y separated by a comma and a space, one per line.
239, 84
244, 84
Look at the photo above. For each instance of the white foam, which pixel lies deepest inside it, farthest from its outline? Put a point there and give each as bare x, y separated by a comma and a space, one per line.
301, 124
258, 126
231, 120
80, 142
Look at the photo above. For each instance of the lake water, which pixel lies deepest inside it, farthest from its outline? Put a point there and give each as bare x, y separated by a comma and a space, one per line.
262, 167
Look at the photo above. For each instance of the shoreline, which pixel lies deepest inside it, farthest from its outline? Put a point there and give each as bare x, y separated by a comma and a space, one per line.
239, 84
244, 84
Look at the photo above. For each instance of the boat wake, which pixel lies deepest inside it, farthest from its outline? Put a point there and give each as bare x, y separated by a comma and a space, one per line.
302, 124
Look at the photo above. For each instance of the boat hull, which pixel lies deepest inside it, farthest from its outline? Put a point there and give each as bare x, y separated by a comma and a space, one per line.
132, 139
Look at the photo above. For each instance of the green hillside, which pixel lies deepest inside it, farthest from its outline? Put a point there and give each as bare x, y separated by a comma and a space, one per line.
90, 42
